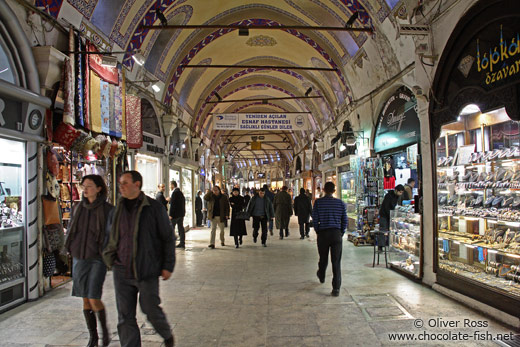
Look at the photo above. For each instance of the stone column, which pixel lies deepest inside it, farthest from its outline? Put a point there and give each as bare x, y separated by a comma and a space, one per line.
169, 122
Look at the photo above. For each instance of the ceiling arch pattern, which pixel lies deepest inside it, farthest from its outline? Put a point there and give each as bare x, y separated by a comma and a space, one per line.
197, 48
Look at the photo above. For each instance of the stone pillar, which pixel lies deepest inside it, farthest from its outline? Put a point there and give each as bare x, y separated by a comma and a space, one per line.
428, 214
307, 163
169, 122
49, 62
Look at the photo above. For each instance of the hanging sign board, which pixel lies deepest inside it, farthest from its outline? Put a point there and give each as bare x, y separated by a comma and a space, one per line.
329, 154
398, 123
261, 121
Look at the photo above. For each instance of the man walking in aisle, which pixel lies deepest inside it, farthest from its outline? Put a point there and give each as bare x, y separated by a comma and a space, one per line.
177, 212
270, 195
218, 212
261, 208
303, 209
283, 211
141, 247
198, 209
329, 216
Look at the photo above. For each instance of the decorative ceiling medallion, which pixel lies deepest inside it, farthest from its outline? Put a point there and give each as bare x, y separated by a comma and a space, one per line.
261, 41
258, 88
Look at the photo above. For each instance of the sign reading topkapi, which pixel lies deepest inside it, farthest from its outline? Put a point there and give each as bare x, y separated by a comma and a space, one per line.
261, 121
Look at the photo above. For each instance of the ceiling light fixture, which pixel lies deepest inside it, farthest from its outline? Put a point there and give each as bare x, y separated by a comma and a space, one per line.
138, 58
308, 91
156, 88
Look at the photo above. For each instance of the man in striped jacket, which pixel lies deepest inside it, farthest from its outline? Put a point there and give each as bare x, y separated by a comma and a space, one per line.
329, 216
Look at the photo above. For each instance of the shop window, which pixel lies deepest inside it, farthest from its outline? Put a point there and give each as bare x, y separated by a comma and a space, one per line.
479, 201
149, 167
12, 212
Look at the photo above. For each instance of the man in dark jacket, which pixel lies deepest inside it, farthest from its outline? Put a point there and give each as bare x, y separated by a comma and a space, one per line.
141, 247
160, 196
198, 208
389, 203
218, 212
270, 195
177, 212
261, 208
303, 209
283, 211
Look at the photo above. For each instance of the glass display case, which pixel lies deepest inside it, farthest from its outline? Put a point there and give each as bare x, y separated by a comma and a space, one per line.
187, 190
348, 196
12, 213
478, 176
405, 240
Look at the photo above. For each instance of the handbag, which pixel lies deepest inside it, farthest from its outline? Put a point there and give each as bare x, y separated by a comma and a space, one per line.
51, 213
53, 236
242, 215
49, 264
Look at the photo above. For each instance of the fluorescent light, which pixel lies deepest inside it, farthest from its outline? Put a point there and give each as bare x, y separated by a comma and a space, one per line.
492, 251
4, 70
156, 88
138, 58
342, 147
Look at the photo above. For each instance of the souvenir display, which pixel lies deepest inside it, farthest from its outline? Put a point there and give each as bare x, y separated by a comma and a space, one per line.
405, 240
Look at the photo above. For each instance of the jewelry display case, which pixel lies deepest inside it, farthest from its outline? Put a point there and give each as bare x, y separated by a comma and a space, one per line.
479, 205
405, 240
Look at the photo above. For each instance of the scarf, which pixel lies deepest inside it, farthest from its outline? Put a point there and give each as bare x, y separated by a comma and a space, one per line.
79, 214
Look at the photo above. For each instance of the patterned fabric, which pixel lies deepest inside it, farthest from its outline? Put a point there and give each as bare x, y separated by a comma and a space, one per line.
49, 264
65, 135
106, 73
112, 106
80, 76
68, 92
105, 106
86, 96
134, 132
121, 123
95, 104
51, 6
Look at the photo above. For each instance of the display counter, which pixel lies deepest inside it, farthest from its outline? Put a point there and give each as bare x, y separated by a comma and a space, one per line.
405, 241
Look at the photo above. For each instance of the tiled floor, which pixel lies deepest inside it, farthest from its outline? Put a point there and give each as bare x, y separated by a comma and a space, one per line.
255, 296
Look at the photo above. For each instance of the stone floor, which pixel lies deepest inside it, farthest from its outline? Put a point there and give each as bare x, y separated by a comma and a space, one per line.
255, 296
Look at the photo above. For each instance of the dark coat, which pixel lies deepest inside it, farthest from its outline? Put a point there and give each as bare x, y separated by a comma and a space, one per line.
223, 203
154, 241
282, 209
389, 203
302, 208
268, 206
238, 226
198, 203
177, 204
247, 198
160, 197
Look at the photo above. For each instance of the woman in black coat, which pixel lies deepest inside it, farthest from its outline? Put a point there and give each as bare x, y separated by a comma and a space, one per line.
238, 226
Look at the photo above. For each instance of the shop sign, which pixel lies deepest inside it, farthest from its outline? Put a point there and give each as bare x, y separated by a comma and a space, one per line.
147, 139
11, 114
398, 123
497, 60
261, 121
260, 175
154, 149
329, 154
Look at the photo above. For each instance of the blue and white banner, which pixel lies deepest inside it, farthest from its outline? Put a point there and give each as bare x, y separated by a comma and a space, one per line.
261, 121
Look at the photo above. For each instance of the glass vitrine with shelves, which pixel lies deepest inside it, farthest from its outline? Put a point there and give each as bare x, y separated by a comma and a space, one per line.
405, 240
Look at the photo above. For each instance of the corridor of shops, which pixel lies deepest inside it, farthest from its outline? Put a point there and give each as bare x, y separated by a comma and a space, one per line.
256, 296
391, 127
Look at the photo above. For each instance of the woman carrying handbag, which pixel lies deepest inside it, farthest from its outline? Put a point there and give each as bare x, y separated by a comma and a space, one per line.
238, 225
85, 242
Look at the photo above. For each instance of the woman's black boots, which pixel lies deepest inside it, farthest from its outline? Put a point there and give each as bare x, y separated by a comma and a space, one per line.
103, 321
90, 318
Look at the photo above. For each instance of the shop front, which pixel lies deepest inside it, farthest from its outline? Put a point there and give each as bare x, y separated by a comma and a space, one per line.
22, 112
396, 144
329, 171
474, 119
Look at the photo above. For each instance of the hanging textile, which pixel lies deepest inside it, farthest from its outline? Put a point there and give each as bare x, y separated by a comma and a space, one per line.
105, 106
134, 133
122, 86
86, 96
80, 89
112, 119
106, 73
67, 87
95, 103
118, 110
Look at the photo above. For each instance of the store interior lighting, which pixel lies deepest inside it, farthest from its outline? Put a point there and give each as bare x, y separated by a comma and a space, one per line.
156, 88
469, 109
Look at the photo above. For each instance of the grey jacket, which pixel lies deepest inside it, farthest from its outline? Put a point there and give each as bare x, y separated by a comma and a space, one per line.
268, 206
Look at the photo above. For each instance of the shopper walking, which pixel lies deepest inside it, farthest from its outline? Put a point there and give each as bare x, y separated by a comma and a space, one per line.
270, 195
389, 202
247, 197
238, 226
218, 212
85, 238
177, 212
303, 209
283, 211
261, 208
198, 209
207, 219
329, 216
141, 247
160, 196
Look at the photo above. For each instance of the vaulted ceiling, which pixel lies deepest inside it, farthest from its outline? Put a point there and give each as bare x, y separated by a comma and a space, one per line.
120, 24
